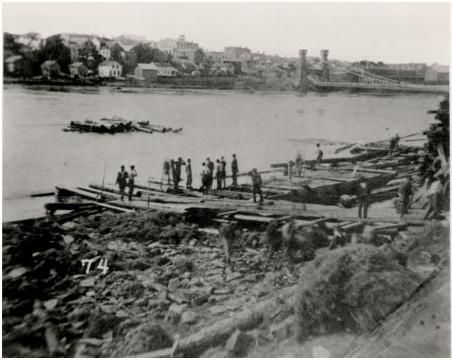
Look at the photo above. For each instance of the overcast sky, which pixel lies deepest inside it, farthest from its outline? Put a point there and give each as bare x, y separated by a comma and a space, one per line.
403, 32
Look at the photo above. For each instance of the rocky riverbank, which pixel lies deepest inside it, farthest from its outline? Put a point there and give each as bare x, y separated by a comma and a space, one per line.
154, 278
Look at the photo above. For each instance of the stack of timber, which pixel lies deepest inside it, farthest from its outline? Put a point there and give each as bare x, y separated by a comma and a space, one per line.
147, 127
117, 124
104, 126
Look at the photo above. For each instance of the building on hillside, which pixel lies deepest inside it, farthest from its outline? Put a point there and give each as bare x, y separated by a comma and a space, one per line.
146, 72
409, 72
14, 65
32, 40
105, 52
165, 70
76, 41
78, 69
236, 53
50, 69
179, 48
438, 74
222, 69
215, 56
110, 70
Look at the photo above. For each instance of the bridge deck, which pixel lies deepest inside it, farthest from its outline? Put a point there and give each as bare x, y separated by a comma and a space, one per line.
441, 89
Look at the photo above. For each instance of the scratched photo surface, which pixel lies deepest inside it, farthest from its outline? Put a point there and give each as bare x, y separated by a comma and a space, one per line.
226, 180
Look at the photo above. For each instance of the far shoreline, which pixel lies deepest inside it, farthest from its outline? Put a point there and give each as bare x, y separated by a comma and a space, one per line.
118, 87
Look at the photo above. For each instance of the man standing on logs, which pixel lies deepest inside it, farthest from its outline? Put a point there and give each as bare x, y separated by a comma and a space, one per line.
211, 167
363, 197
223, 172
205, 178
257, 183
234, 170
121, 180
189, 174
174, 174
219, 174
133, 175
167, 171
319, 157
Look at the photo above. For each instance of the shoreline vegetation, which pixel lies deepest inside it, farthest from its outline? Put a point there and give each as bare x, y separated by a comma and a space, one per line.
128, 88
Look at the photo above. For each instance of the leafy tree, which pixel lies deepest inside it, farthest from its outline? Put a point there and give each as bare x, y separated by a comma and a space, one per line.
115, 53
55, 49
89, 55
200, 57
143, 53
10, 46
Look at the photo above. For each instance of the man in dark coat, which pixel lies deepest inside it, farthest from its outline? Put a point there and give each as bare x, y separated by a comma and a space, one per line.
211, 167
363, 192
121, 180
234, 170
257, 183
189, 174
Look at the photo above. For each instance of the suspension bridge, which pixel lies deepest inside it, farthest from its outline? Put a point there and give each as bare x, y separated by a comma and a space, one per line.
363, 80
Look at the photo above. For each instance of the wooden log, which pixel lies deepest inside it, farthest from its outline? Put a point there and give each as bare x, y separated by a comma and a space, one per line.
43, 194
359, 157
247, 173
217, 333
344, 148
251, 218
52, 207
69, 191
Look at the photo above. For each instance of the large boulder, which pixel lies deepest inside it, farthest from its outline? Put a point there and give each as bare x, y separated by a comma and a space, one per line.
351, 288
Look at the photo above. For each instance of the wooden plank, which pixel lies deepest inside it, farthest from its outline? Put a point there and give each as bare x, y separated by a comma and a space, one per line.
43, 194
75, 191
251, 218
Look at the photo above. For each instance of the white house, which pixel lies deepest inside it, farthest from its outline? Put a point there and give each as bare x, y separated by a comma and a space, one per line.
110, 69
165, 70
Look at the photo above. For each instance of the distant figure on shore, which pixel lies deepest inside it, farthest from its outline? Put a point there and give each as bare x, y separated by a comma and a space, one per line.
394, 144
257, 183
219, 174
121, 180
405, 193
211, 167
234, 169
299, 164
167, 171
204, 178
363, 193
319, 154
189, 174
223, 172
133, 175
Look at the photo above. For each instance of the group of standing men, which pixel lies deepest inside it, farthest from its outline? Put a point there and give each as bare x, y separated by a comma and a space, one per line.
125, 179
211, 171
172, 171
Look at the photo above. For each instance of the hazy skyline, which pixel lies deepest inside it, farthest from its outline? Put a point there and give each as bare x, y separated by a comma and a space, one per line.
389, 32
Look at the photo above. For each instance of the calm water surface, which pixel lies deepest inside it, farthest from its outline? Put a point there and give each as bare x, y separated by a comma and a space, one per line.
261, 129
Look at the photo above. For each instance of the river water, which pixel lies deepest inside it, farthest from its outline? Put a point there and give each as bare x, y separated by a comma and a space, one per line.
259, 128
